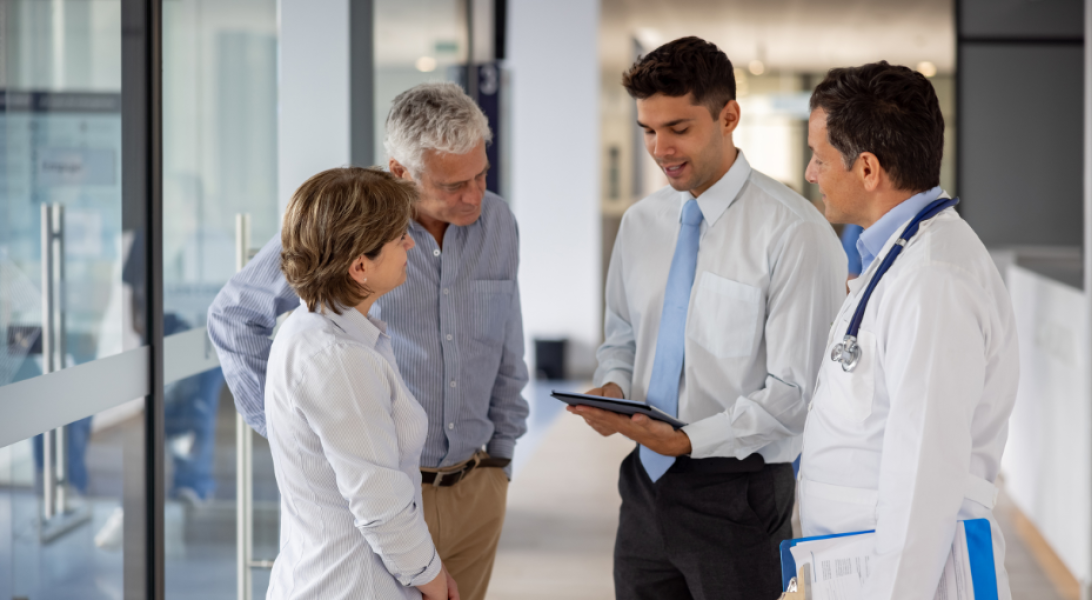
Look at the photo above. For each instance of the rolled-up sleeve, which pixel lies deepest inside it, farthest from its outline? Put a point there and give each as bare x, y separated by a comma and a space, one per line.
345, 397
240, 322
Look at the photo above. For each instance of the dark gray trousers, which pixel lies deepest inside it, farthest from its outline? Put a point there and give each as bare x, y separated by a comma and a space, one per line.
708, 529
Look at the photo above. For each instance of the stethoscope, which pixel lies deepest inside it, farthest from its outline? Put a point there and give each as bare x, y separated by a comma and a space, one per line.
847, 351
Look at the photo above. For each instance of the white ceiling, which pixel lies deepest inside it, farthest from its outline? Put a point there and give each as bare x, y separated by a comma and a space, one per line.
789, 35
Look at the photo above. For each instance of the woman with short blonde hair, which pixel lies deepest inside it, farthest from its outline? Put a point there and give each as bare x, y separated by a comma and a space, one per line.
345, 432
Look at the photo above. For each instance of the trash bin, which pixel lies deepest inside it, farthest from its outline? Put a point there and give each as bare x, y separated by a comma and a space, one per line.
550, 358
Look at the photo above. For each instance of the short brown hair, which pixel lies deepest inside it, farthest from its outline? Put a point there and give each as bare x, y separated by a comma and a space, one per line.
334, 218
890, 111
688, 65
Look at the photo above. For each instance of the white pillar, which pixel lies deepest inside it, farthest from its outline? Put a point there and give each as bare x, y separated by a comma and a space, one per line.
313, 121
553, 52
1086, 586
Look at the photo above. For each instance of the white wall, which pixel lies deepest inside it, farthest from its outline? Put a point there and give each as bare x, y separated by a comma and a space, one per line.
1047, 463
314, 91
553, 57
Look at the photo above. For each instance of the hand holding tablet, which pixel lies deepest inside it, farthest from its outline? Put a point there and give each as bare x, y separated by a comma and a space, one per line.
618, 405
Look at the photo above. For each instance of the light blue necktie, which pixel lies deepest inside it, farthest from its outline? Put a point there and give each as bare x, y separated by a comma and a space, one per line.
663, 389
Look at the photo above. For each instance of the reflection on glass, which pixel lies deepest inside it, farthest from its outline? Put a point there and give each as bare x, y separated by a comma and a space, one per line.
78, 553
60, 154
62, 290
219, 161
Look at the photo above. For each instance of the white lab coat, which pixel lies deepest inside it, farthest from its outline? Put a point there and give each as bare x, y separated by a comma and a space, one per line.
911, 440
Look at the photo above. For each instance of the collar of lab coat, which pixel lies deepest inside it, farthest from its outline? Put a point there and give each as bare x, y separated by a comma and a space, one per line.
721, 194
858, 284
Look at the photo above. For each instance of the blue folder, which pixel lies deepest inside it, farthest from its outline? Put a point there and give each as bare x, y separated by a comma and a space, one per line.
979, 552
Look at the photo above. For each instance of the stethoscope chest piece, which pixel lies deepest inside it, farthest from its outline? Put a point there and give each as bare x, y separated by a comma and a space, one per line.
847, 352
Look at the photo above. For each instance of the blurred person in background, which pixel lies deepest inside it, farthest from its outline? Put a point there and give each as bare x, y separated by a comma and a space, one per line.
720, 291
456, 325
911, 411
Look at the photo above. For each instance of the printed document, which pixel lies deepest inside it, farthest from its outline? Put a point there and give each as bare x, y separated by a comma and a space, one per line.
840, 566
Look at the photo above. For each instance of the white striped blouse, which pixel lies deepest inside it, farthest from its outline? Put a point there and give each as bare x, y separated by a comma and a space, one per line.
346, 436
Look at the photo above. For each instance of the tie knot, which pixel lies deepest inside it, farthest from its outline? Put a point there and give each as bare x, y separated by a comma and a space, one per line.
691, 213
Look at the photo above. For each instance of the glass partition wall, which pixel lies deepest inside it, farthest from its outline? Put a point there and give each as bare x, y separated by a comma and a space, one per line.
219, 193
75, 366
138, 173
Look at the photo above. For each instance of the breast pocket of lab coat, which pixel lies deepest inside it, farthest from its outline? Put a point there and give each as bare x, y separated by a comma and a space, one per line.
492, 303
726, 316
852, 392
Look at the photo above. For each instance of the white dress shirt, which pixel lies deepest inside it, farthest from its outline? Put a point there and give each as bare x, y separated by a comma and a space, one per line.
910, 441
346, 437
769, 279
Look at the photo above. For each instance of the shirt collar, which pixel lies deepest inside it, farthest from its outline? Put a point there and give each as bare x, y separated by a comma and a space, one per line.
721, 194
873, 239
365, 329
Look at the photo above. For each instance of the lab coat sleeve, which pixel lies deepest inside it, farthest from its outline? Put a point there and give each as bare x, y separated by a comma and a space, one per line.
807, 286
618, 352
932, 333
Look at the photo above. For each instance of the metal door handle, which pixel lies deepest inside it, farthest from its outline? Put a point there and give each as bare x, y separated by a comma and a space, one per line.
244, 447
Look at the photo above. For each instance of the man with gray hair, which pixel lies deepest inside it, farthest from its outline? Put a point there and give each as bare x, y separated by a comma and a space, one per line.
455, 325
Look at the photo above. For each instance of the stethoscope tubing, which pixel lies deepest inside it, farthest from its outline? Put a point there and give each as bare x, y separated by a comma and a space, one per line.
848, 352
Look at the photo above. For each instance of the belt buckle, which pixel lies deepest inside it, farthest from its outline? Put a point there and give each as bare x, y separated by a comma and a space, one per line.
441, 475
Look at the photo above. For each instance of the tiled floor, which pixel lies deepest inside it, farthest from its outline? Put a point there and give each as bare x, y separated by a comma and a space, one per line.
562, 515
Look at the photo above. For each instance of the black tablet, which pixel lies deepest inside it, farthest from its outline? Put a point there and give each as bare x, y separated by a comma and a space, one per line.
618, 405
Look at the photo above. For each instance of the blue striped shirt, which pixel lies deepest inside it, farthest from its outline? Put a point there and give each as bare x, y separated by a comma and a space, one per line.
456, 327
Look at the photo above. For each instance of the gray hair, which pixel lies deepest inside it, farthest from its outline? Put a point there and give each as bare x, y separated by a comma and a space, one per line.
433, 116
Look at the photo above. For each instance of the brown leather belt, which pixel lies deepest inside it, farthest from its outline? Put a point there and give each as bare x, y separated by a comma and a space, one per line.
446, 478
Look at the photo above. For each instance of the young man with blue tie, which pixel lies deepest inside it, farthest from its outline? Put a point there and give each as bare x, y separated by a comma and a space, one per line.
720, 292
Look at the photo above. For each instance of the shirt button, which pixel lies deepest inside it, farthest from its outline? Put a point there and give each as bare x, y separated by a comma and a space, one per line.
447, 291
449, 337
451, 426
436, 252
452, 383
811, 405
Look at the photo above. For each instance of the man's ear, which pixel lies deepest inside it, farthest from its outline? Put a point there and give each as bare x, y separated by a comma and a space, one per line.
399, 170
729, 117
869, 171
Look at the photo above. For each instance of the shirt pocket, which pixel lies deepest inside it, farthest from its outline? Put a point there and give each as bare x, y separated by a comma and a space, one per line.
851, 393
726, 316
492, 300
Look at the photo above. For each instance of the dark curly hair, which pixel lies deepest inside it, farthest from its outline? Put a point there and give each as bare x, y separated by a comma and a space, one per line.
890, 111
688, 65
334, 218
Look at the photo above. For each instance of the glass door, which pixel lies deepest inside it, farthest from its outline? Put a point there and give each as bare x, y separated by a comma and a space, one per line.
220, 202
74, 358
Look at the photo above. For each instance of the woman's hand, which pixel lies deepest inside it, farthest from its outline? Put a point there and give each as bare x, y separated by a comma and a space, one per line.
442, 587
452, 587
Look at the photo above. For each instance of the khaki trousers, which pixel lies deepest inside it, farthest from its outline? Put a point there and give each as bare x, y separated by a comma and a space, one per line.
465, 521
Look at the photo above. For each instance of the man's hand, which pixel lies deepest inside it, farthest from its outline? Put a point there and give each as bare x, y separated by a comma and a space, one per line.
610, 390
650, 433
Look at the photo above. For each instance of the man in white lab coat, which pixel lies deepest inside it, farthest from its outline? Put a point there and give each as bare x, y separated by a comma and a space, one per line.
909, 441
